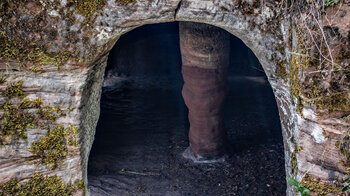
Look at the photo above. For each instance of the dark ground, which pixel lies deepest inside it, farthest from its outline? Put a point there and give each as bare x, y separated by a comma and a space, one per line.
143, 125
143, 130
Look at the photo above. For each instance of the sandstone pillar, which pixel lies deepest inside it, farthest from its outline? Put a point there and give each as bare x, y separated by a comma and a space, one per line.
205, 59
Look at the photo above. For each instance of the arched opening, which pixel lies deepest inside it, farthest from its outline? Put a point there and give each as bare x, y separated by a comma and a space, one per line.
143, 125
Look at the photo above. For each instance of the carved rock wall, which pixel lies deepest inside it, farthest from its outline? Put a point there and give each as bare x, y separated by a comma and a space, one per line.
39, 36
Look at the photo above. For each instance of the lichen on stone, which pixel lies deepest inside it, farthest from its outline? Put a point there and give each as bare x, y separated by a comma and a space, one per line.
41, 185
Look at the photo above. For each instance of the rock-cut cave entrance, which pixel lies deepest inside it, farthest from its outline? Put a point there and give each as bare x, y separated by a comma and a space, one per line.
143, 125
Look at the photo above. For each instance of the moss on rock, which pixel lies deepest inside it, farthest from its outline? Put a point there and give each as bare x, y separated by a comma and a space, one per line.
50, 113
294, 160
14, 89
344, 146
313, 78
3, 78
89, 8
52, 149
14, 123
281, 70
321, 188
26, 51
41, 185
295, 66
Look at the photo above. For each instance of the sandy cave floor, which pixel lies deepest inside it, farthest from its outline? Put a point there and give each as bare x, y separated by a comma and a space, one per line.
142, 132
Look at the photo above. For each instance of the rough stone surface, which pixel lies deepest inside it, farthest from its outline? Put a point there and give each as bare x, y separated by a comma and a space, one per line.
81, 39
205, 60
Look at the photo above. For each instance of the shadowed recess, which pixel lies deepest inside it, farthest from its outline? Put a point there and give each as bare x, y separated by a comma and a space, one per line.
143, 126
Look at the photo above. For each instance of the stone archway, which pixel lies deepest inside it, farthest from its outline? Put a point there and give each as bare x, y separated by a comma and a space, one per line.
81, 36
241, 28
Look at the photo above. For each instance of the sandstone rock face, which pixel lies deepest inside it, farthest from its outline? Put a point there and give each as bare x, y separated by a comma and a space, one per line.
205, 58
38, 36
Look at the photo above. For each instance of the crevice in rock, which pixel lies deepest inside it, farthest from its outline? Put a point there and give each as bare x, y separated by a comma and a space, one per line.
177, 8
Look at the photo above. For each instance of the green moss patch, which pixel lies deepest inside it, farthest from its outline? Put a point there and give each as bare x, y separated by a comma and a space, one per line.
50, 113
28, 34
3, 78
294, 160
29, 41
313, 79
15, 118
294, 79
126, 1
336, 101
52, 149
14, 89
26, 51
321, 188
14, 123
89, 8
281, 70
40, 185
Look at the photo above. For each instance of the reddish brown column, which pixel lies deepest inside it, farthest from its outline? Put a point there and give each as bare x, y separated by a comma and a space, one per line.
205, 59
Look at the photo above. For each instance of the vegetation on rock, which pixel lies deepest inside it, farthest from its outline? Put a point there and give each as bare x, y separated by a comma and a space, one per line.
3, 78
14, 123
40, 185
344, 147
316, 60
300, 189
321, 188
42, 48
52, 149
346, 188
14, 89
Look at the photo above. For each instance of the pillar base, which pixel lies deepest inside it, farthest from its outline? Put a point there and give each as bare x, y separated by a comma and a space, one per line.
188, 154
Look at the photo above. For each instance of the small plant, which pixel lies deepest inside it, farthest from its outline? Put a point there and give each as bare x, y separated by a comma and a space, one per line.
329, 3
347, 187
302, 190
